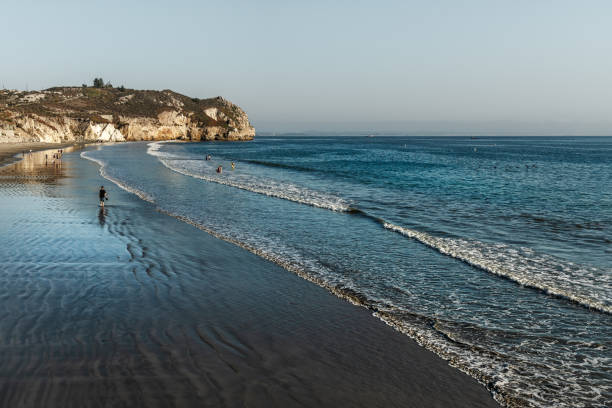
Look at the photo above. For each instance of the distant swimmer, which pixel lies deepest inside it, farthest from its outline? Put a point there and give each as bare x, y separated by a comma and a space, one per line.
103, 196
208, 157
233, 165
219, 169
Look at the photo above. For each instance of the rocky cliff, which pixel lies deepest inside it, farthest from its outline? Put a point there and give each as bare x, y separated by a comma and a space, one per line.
87, 114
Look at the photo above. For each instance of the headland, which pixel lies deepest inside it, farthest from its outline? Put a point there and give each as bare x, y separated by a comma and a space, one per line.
106, 114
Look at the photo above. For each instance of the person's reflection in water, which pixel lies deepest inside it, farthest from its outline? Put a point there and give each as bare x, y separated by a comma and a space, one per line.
102, 216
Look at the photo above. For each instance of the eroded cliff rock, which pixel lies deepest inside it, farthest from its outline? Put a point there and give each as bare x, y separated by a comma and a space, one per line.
87, 114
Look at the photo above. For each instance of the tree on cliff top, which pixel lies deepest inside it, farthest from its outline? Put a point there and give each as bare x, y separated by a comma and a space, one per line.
98, 83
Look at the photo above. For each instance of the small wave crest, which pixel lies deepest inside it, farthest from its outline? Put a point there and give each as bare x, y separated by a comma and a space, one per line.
587, 286
271, 188
104, 173
429, 332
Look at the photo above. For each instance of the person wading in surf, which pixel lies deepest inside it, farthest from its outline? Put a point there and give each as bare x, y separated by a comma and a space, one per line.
103, 196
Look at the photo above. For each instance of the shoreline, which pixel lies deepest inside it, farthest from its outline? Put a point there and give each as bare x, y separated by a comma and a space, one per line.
9, 151
172, 316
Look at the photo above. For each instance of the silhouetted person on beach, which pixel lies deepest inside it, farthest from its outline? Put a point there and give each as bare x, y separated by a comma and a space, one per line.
103, 196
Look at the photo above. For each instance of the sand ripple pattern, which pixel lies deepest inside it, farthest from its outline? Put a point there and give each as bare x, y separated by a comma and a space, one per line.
99, 308
501, 359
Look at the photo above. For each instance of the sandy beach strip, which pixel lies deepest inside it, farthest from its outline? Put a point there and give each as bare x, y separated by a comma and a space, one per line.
127, 307
8, 151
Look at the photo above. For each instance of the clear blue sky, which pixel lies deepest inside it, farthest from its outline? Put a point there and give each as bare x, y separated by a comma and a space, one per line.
380, 65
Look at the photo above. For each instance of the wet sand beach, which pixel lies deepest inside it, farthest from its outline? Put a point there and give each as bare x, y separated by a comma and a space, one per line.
127, 307
8, 151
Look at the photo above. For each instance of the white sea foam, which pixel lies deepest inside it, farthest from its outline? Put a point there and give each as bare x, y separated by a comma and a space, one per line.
503, 373
272, 188
588, 286
585, 285
122, 185
512, 378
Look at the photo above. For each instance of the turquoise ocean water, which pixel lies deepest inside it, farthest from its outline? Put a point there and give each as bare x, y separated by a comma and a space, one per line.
495, 253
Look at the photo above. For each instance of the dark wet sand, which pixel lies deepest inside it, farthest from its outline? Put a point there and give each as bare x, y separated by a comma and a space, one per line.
128, 307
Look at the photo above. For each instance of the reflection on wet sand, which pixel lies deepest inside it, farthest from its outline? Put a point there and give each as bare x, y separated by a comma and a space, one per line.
102, 216
40, 166
131, 308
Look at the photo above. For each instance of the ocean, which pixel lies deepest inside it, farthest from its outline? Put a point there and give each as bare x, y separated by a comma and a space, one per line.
495, 253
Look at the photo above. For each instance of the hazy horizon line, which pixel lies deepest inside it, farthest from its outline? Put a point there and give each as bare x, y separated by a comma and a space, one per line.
439, 128
421, 134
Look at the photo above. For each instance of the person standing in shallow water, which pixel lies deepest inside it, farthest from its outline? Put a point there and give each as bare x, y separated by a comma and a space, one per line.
102, 195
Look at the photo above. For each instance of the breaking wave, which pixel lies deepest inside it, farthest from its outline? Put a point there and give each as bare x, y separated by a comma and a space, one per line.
584, 285
272, 188
464, 346
118, 182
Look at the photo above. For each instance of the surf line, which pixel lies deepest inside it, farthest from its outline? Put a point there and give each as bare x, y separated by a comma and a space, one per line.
144, 196
440, 245
422, 334
444, 246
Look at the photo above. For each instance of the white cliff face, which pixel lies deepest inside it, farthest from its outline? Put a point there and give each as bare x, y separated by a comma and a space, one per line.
172, 118
58, 121
240, 128
170, 125
101, 132
211, 113
35, 128
216, 114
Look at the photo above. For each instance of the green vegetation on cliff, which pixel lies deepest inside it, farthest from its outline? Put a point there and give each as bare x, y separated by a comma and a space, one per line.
93, 102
